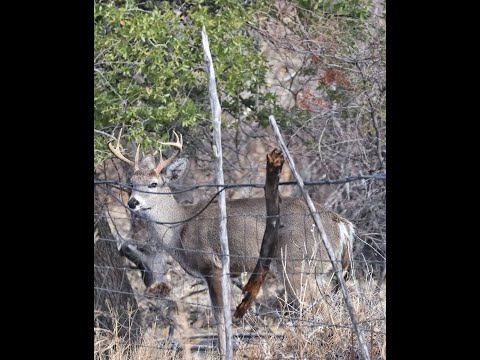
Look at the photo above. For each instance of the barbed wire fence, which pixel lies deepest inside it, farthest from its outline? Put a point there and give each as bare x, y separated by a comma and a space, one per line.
271, 310
277, 329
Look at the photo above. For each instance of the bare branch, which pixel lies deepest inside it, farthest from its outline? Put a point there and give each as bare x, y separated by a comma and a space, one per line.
216, 120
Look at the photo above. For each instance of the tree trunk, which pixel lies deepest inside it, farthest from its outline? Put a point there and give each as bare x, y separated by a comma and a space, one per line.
116, 308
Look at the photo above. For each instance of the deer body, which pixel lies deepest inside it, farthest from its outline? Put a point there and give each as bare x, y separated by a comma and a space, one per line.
245, 229
190, 233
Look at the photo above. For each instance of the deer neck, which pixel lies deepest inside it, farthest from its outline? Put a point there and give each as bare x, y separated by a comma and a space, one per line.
167, 216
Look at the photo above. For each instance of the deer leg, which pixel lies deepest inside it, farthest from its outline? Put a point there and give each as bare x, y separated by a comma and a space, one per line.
214, 283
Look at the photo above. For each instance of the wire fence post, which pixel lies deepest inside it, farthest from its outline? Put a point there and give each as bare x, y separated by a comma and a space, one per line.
217, 136
316, 218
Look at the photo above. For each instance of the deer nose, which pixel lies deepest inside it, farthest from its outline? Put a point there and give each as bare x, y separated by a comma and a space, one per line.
132, 203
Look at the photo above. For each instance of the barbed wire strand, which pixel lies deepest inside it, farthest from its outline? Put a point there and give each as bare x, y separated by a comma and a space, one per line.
197, 251
380, 177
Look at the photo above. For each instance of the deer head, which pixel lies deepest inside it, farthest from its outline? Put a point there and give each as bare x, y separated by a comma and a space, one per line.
150, 178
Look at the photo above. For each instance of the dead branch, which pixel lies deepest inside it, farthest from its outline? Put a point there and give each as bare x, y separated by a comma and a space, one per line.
275, 162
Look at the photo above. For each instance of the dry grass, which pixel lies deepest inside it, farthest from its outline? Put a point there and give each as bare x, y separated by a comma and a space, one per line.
110, 345
322, 331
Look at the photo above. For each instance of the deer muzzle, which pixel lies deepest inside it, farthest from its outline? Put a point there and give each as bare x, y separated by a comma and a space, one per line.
133, 203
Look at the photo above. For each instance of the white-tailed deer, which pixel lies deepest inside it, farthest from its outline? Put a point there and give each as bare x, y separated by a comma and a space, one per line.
190, 233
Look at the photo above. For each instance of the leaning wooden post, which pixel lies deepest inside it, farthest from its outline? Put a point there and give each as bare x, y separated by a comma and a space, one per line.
316, 218
217, 147
275, 162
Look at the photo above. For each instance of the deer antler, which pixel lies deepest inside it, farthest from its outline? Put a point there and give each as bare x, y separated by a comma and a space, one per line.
178, 145
116, 151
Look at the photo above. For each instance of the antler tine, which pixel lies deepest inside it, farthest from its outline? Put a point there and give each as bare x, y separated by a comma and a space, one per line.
116, 151
178, 144
137, 157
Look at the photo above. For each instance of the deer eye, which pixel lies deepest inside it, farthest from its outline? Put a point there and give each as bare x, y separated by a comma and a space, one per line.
152, 185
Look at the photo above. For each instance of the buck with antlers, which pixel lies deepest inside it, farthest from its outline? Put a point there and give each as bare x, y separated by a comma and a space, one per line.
190, 233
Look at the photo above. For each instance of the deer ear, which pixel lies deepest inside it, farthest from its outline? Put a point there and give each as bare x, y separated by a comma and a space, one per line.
176, 169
